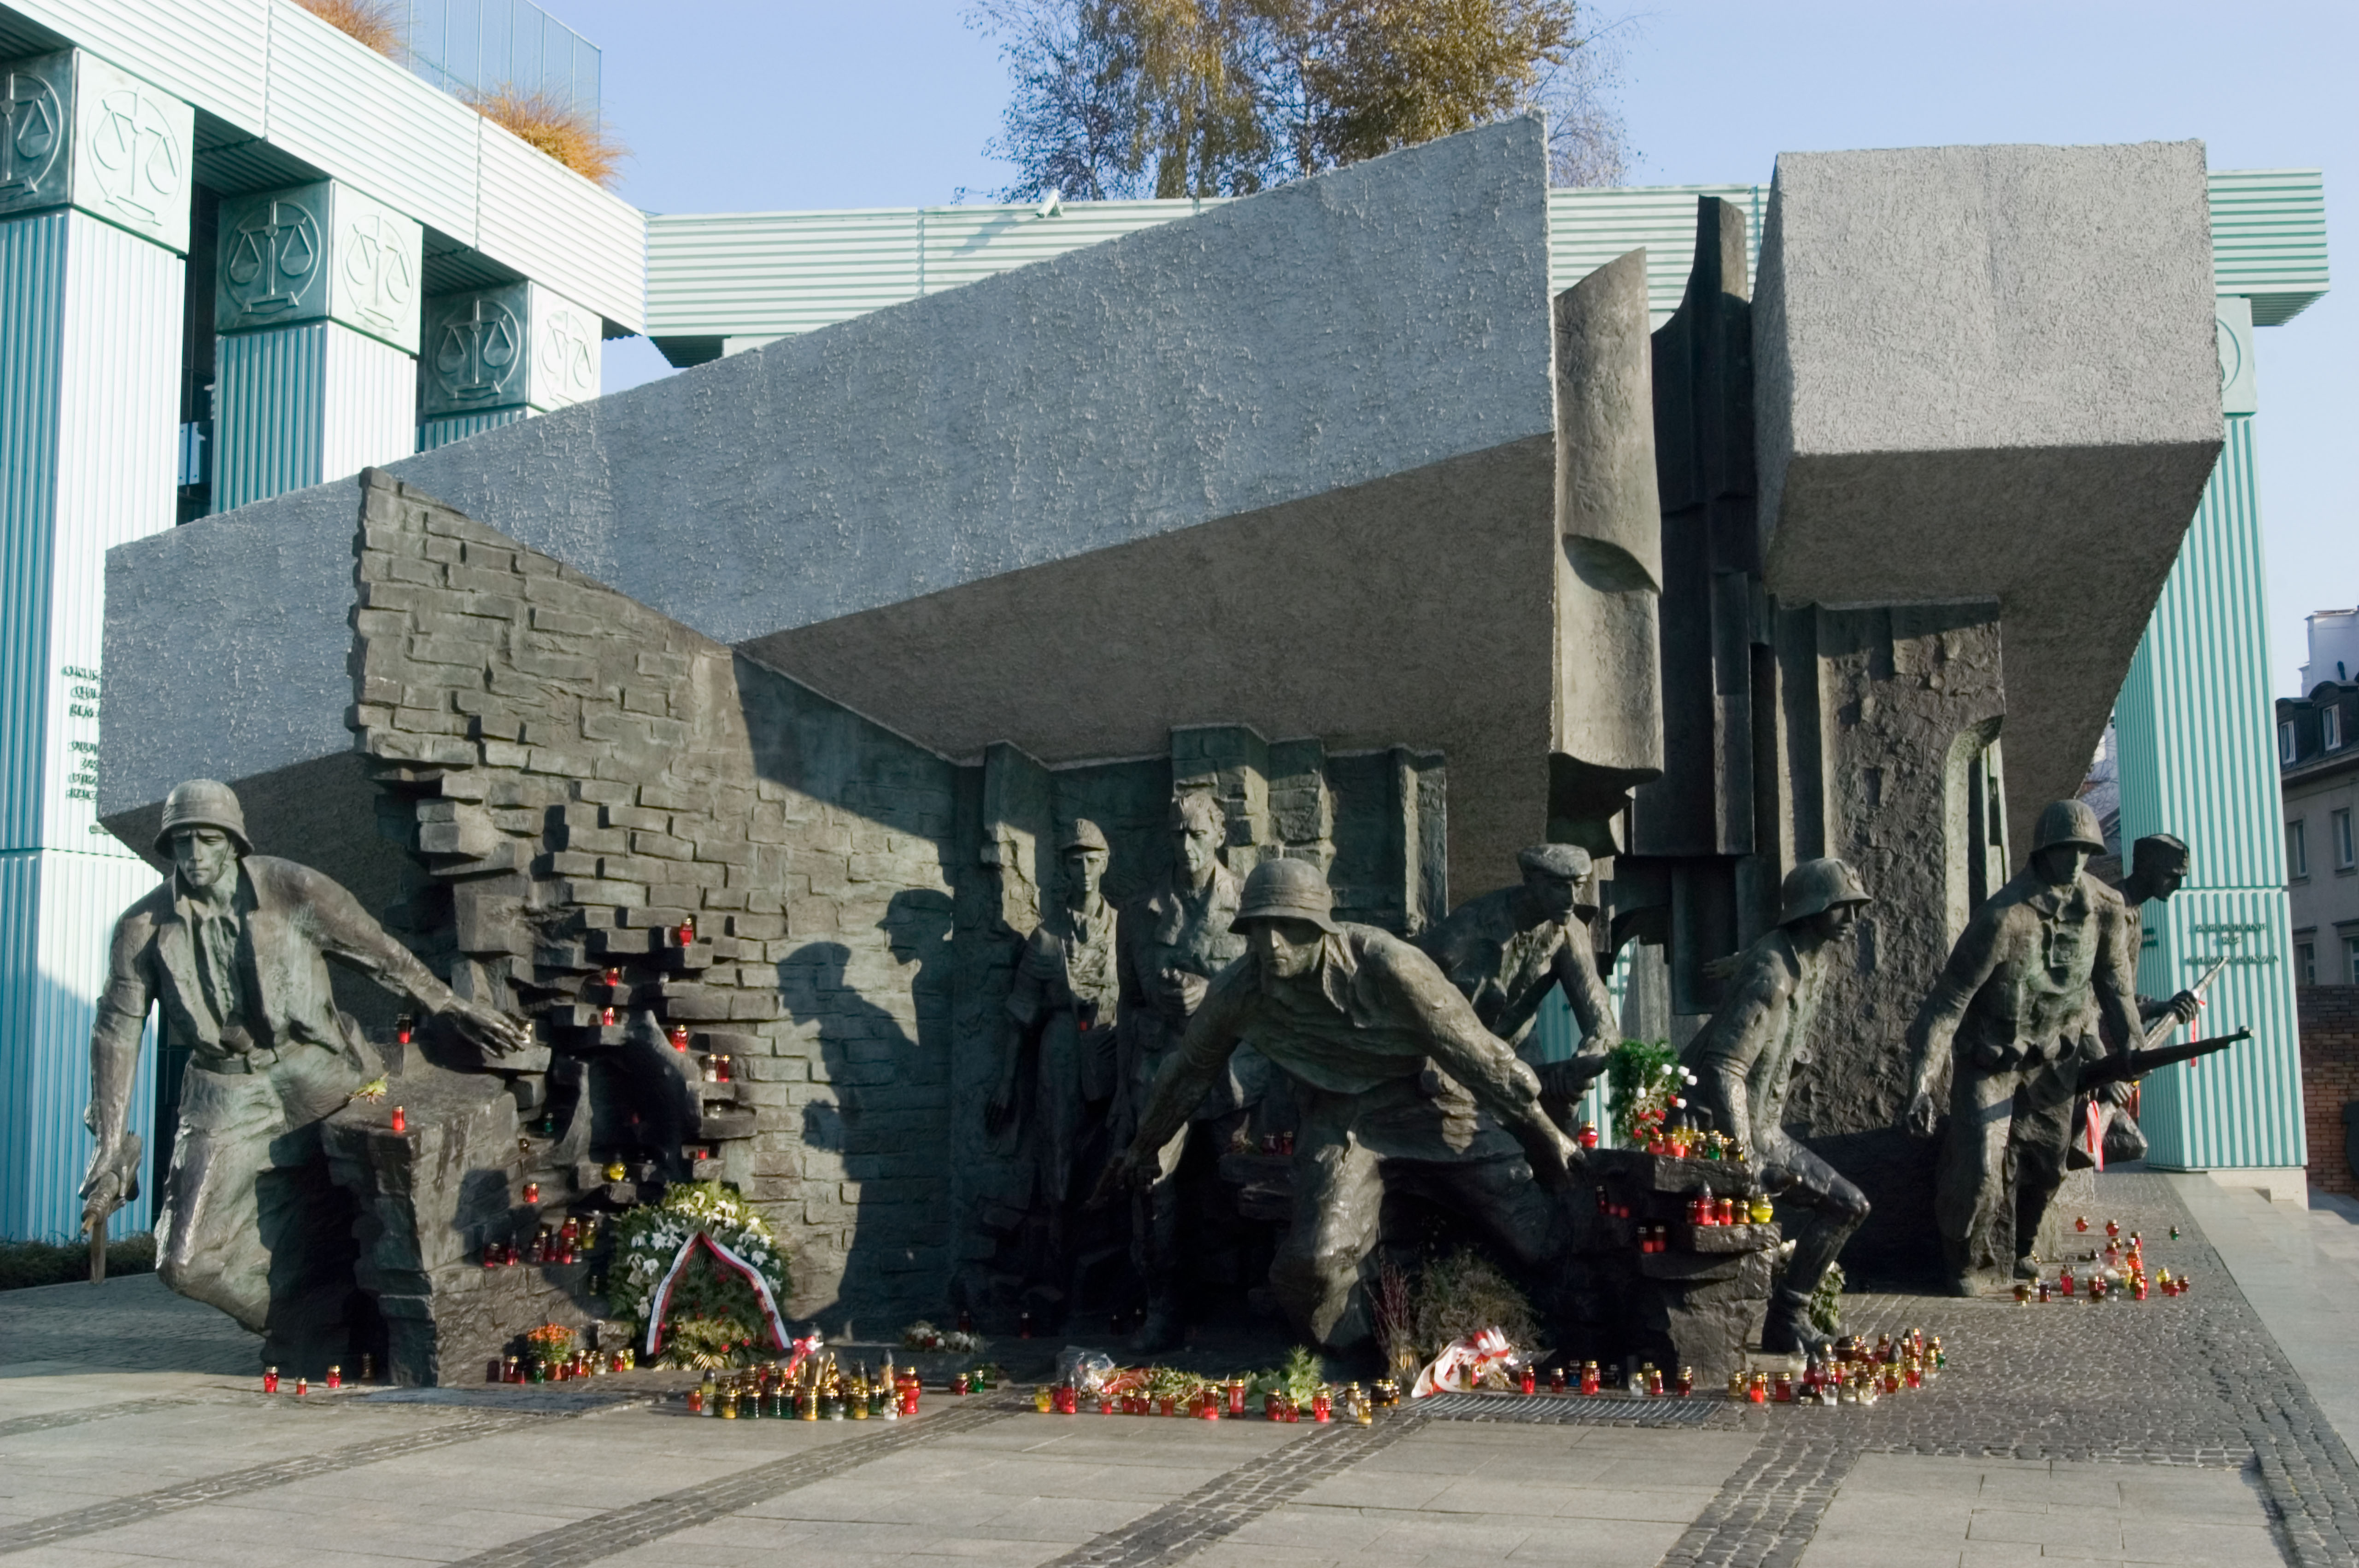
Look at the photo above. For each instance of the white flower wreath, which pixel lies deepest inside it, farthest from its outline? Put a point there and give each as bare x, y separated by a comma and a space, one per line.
648, 1240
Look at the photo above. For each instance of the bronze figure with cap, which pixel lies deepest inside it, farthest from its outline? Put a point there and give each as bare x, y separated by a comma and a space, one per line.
1398, 1085
233, 950
1506, 950
1743, 1061
2012, 1019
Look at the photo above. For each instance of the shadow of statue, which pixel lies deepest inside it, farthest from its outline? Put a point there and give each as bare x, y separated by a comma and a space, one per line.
881, 1014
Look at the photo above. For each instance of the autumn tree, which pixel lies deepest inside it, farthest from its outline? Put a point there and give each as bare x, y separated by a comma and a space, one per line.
1173, 98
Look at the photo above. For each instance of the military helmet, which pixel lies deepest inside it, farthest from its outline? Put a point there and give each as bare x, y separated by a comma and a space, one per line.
2068, 822
202, 803
1286, 890
1815, 886
1082, 835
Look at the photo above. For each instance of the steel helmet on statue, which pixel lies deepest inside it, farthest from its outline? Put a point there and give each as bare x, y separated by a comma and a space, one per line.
202, 803
1816, 886
2068, 822
1286, 890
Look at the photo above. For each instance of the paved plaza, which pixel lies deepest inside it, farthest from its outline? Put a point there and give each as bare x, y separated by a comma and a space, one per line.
132, 1431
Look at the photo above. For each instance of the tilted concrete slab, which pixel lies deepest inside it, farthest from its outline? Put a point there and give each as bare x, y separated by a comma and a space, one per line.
1992, 372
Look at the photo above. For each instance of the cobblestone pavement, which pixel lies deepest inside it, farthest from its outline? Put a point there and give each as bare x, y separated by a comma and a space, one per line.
2157, 1431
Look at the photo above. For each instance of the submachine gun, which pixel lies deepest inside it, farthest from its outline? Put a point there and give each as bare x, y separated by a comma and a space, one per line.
2146, 1058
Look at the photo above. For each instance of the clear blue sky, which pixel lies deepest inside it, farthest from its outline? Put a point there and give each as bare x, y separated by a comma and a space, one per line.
738, 106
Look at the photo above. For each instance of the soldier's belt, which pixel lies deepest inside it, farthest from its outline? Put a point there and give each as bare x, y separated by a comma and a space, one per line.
261, 1059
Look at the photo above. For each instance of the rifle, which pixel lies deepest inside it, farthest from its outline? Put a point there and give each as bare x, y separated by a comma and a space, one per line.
2137, 1064
117, 1185
2161, 1029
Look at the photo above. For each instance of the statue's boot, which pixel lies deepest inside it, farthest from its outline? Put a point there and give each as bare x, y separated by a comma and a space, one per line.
1787, 1331
1163, 1330
2027, 1267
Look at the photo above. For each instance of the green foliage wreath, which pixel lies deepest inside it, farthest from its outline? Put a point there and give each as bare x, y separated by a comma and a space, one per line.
714, 1314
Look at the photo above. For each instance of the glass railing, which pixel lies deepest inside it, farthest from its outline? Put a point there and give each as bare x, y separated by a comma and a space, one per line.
468, 47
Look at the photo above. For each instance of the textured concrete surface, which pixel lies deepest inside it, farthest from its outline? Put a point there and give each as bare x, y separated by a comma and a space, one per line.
1322, 336
1992, 372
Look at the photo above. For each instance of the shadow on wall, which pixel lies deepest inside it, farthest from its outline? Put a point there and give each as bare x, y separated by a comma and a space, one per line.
872, 1185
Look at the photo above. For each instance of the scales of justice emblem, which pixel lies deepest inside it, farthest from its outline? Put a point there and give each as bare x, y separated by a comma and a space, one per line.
32, 135
272, 256
476, 355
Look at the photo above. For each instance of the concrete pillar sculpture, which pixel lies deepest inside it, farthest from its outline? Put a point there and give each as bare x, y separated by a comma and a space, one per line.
95, 196
316, 307
492, 356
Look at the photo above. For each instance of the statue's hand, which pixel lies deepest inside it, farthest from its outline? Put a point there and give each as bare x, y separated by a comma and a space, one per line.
494, 1031
1000, 1109
2184, 1006
1132, 1170
1923, 1114
1181, 992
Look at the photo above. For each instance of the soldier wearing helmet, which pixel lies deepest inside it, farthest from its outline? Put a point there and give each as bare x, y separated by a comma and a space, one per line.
1355, 1015
2039, 968
1743, 1061
233, 950
1170, 942
2159, 865
1506, 950
1061, 1014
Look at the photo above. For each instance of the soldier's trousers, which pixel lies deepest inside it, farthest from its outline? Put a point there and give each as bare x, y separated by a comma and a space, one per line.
1797, 1178
247, 1204
2010, 1129
1349, 1151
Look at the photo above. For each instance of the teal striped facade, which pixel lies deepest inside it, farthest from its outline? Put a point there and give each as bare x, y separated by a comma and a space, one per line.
433, 433
301, 406
90, 346
2196, 732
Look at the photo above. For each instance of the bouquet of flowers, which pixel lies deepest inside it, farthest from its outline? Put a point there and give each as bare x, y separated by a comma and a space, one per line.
924, 1335
1647, 1083
551, 1344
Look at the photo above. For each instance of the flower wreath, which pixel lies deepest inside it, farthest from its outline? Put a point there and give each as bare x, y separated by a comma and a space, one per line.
654, 1242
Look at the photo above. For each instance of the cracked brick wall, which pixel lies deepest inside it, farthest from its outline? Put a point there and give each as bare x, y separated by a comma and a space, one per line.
580, 779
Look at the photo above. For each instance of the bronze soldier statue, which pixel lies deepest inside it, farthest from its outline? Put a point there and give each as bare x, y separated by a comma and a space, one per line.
235, 949
1743, 1061
1169, 944
1506, 950
2013, 1015
1061, 1015
2159, 864
1397, 1082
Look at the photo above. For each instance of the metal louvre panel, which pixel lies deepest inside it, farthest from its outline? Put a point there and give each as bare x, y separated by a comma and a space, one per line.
559, 230
434, 433
761, 273
117, 470
267, 413
1589, 227
32, 349
56, 915
368, 406
341, 105
962, 244
2268, 239
2196, 729
214, 54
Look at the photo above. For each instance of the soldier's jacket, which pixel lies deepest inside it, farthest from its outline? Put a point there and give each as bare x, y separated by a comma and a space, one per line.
1380, 1010
1507, 971
1744, 1059
291, 920
2029, 982
1066, 979
1163, 936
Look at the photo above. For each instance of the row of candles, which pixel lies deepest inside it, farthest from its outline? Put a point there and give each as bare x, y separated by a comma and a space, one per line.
333, 1382
815, 1390
571, 1242
580, 1364
2120, 1270
1211, 1401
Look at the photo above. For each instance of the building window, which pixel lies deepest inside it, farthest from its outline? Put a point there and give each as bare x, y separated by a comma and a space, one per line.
2285, 744
2338, 827
2330, 728
2305, 963
2351, 960
2298, 851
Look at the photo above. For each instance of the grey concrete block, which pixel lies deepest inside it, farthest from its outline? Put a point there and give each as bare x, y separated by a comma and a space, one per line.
1992, 372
